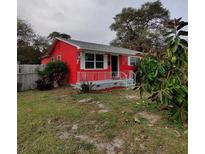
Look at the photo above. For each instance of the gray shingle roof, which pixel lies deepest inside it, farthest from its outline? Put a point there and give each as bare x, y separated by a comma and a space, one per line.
99, 47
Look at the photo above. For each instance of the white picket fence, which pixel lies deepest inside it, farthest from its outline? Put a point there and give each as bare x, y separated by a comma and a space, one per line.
27, 76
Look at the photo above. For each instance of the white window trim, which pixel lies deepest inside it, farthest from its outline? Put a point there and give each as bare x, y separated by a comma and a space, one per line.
89, 61
129, 64
83, 61
58, 56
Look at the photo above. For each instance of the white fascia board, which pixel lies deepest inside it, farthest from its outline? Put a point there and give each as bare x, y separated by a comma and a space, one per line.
105, 51
68, 42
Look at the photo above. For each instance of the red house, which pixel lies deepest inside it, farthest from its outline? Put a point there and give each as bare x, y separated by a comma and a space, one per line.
105, 66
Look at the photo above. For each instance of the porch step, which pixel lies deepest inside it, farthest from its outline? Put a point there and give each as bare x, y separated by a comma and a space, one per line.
110, 84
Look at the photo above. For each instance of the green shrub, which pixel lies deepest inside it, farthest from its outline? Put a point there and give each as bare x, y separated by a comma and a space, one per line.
44, 84
86, 87
54, 71
165, 76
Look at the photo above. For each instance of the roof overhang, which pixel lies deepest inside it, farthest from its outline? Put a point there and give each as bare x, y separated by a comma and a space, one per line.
132, 52
107, 51
122, 52
78, 47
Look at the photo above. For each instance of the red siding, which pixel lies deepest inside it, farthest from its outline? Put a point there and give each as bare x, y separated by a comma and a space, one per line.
124, 64
97, 73
45, 60
68, 55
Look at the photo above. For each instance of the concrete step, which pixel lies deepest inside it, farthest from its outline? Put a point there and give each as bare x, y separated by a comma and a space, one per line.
109, 84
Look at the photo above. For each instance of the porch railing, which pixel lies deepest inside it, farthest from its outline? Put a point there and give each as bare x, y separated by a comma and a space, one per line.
132, 75
101, 76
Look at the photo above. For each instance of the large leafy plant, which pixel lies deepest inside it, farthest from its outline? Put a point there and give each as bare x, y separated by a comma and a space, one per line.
54, 72
86, 87
165, 75
44, 83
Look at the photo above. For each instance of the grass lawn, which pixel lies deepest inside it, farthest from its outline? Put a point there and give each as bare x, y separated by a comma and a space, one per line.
118, 121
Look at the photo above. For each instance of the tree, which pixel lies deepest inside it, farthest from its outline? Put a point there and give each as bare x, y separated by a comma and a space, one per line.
141, 29
25, 33
27, 51
31, 46
28, 55
167, 79
53, 35
41, 44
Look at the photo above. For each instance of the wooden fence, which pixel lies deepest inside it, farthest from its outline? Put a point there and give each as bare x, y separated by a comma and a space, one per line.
27, 76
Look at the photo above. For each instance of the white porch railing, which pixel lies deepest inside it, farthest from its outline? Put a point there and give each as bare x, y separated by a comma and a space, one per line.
132, 75
102, 76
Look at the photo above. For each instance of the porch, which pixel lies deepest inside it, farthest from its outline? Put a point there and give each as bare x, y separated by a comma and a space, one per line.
103, 80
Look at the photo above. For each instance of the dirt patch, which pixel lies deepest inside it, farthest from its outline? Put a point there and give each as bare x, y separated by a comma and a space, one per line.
95, 102
89, 101
91, 122
64, 129
161, 149
85, 138
103, 108
86, 100
131, 97
142, 146
64, 135
125, 135
75, 127
151, 117
103, 111
56, 121
112, 147
93, 111
62, 97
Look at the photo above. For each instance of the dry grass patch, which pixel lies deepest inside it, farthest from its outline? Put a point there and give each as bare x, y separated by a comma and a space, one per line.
58, 121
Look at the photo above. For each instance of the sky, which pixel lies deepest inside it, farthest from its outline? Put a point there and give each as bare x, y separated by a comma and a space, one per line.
86, 20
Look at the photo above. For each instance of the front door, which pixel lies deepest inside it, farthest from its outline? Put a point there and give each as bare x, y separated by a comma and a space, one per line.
114, 66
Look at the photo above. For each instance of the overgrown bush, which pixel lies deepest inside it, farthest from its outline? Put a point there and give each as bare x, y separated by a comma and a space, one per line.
86, 87
165, 75
55, 72
44, 84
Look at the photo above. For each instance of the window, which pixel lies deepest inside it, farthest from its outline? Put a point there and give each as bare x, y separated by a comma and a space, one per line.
52, 58
94, 61
59, 57
99, 61
89, 60
133, 61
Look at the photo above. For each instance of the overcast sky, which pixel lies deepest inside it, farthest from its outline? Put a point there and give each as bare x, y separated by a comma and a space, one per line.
87, 20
